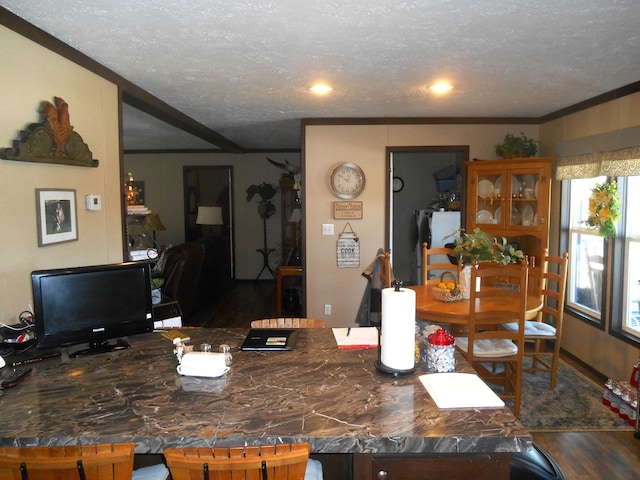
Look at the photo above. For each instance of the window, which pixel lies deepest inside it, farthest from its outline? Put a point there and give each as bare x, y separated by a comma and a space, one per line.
591, 264
586, 254
625, 314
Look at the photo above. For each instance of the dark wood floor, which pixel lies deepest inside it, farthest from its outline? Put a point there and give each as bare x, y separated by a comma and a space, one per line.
592, 455
580, 455
239, 303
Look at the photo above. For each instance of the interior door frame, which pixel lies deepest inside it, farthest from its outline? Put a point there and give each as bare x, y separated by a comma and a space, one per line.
228, 215
461, 150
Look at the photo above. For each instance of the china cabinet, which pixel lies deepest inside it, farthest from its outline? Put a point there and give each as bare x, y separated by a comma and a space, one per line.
511, 199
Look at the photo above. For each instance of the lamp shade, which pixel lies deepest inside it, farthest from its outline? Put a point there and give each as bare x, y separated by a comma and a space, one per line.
296, 216
209, 215
153, 223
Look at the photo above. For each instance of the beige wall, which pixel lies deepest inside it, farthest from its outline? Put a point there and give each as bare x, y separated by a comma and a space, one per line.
595, 347
31, 74
328, 145
162, 174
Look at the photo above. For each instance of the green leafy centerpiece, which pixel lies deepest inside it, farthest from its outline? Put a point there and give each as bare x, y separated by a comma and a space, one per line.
481, 247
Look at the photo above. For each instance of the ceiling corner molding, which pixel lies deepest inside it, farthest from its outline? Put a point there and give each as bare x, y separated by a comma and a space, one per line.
592, 102
419, 121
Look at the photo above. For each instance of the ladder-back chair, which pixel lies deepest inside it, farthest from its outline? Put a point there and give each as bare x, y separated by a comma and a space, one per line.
432, 260
487, 343
266, 462
91, 462
548, 324
288, 322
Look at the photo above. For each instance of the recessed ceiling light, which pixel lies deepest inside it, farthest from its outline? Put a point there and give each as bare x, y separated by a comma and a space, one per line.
441, 87
321, 89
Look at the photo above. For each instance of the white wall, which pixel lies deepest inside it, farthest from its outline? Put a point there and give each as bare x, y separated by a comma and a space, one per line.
162, 174
30, 75
328, 145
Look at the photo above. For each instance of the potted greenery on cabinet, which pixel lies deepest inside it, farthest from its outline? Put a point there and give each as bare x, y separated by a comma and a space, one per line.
517, 146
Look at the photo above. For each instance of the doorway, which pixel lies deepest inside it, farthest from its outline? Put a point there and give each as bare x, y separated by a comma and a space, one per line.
211, 186
421, 180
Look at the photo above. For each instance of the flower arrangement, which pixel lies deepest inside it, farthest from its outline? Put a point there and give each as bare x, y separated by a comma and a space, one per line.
604, 209
481, 246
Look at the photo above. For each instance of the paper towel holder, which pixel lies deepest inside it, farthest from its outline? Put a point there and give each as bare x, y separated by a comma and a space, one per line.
381, 367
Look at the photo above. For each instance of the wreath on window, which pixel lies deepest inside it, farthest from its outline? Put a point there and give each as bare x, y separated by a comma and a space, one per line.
604, 209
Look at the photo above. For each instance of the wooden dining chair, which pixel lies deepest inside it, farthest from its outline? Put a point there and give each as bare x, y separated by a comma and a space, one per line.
285, 461
488, 344
288, 322
547, 327
437, 264
107, 461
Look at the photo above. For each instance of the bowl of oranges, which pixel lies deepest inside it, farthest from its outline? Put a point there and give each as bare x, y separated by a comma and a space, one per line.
448, 289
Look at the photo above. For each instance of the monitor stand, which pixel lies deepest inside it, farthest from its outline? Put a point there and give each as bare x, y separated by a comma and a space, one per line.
102, 346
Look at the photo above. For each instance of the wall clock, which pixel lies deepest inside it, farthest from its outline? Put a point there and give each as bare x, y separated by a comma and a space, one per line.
347, 181
398, 184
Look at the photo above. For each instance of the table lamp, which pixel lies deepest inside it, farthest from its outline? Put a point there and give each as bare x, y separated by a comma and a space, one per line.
153, 224
208, 215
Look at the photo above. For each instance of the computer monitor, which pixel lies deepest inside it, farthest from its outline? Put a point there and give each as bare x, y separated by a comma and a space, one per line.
98, 305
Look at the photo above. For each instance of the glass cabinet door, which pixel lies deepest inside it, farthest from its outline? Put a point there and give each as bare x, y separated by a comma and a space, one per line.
489, 199
526, 187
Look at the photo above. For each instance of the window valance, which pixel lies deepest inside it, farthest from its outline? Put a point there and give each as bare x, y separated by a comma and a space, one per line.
612, 154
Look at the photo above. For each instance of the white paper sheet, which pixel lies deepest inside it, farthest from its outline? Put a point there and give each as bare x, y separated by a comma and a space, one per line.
359, 337
460, 390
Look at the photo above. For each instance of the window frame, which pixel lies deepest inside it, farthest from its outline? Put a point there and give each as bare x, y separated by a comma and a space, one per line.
583, 314
614, 273
618, 282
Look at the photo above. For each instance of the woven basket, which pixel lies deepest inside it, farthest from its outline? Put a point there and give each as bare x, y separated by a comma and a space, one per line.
446, 295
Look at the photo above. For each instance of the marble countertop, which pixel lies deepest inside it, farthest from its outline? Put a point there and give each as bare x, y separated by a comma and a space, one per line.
334, 399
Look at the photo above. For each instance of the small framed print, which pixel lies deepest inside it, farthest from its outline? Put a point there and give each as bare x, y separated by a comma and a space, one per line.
56, 216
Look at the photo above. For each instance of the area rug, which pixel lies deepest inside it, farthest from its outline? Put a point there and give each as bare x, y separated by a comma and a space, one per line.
574, 405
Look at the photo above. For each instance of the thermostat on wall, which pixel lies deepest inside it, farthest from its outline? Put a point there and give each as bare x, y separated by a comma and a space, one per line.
93, 202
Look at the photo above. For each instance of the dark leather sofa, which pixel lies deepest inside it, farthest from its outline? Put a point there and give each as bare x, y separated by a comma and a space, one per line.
182, 272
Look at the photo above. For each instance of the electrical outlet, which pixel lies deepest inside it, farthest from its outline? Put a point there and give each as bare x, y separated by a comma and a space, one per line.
327, 229
327, 309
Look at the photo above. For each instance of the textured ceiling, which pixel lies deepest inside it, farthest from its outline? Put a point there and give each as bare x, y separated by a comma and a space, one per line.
242, 68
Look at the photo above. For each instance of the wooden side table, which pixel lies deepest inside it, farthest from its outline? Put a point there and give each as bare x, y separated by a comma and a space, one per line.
282, 272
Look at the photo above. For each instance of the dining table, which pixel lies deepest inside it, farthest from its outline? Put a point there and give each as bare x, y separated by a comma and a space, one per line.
430, 309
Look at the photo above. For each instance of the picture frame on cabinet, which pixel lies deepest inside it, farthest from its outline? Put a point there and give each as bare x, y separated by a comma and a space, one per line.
56, 216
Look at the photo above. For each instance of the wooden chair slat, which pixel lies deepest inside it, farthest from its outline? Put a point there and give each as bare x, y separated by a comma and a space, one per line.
284, 462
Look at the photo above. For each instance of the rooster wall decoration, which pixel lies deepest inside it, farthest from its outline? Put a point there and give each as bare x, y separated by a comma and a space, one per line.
53, 140
58, 119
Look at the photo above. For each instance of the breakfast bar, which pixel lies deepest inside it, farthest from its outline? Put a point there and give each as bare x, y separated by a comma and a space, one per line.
335, 399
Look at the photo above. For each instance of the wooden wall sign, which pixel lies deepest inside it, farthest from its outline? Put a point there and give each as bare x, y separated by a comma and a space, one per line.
348, 248
52, 140
347, 210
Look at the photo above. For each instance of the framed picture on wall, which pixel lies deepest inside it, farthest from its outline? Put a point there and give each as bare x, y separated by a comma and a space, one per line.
56, 216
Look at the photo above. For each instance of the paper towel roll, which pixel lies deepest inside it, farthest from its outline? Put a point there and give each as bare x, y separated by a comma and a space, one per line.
397, 338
